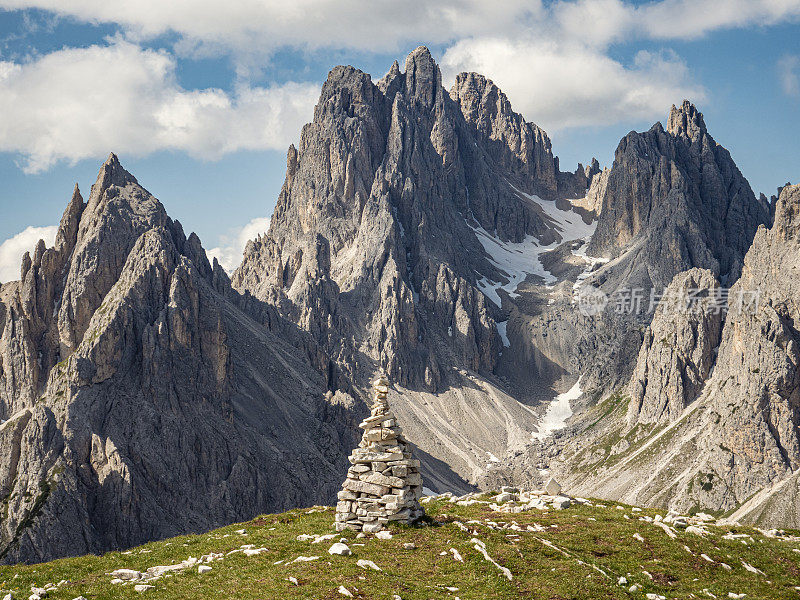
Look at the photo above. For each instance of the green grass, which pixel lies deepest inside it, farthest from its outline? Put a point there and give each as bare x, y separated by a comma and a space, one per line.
586, 538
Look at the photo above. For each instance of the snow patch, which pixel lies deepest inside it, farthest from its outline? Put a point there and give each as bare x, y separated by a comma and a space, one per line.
592, 262
518, 260
502, 329
557, 413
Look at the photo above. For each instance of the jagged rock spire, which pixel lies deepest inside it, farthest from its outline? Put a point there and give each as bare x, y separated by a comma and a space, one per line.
384, 483
686, 120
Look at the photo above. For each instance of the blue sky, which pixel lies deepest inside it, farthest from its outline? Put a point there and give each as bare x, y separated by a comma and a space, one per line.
201, 99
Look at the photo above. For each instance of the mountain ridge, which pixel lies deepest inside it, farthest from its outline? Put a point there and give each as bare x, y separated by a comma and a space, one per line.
427, 233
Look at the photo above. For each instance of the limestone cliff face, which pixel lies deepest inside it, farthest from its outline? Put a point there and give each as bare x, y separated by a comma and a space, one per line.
673, 200
678, 351
393, 176
755, 394
736, 447
522, 149
154, 399
681, 194
394, 179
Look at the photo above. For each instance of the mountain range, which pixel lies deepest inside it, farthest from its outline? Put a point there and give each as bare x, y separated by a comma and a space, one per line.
430, 234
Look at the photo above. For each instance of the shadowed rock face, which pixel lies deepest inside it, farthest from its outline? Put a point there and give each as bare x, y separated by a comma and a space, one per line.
163, 402
681, 194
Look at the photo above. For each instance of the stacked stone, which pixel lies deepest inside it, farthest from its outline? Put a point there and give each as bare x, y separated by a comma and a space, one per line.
383, 484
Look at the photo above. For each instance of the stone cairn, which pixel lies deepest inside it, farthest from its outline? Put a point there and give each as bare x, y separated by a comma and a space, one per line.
383, 484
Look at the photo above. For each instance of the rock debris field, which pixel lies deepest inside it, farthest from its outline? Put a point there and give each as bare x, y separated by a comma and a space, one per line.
507, 544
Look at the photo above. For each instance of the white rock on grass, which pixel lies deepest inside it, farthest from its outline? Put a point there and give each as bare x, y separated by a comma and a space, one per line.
456, 555
368, 564
345, 592
293, 580
561, 502
304, 559
143, 587
126, 574
340, 549
384, 535
203, 569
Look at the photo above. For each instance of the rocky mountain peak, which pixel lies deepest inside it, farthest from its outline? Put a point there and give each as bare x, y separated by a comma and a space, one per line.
686, 120
787, 213
68, 228
423, 78
113, 173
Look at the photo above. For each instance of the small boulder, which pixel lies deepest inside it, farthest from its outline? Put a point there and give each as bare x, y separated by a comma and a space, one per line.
143, 587
203, 569
340, 549
384, 535
561, 502
553, 488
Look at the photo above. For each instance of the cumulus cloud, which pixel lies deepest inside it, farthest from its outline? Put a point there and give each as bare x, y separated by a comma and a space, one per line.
560, 86
229, 252
553, 59
245, 25
78, 103
789, 72
385, 25
13, 249
603, 22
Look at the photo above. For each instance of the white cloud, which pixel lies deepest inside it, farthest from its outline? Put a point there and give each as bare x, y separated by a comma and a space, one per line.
553, 60
78, 103
246, 25
261, 25
559, 86
601, 22
229, 252
789, 72
13, 249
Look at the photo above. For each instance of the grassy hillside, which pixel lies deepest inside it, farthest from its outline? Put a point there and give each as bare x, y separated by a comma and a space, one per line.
577, 552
